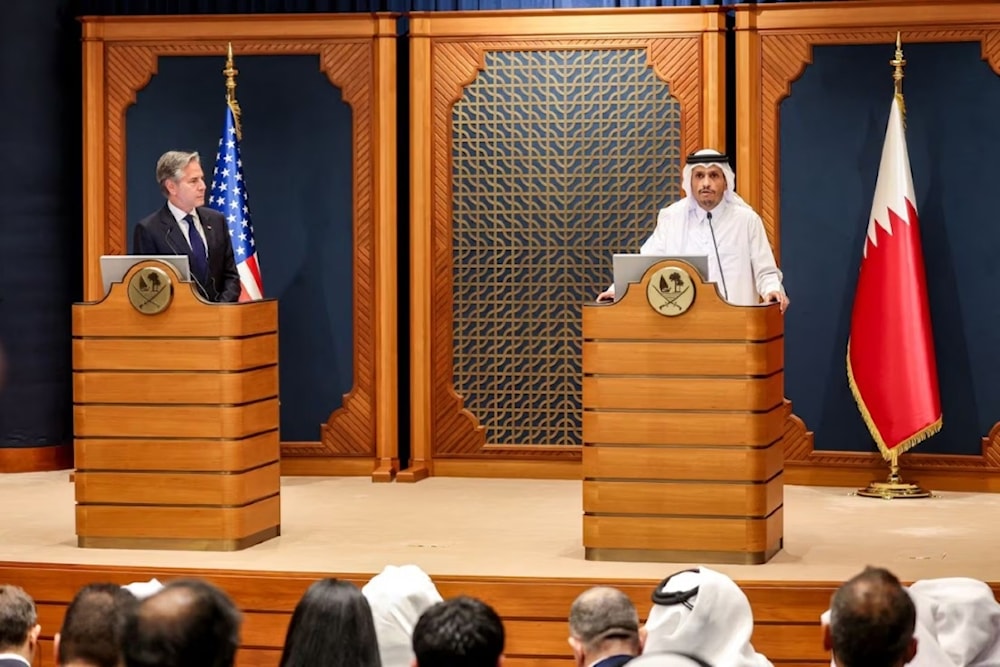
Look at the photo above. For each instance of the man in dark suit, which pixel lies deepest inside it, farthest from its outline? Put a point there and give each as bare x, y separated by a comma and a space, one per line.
603, 628
184, 226
91, 633
19, 627
188, 623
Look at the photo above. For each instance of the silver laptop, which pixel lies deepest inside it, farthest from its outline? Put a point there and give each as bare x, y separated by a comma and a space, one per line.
114, 267
630, 268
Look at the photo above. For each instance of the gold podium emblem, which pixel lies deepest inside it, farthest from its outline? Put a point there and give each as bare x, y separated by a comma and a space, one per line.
671, 291
150, 290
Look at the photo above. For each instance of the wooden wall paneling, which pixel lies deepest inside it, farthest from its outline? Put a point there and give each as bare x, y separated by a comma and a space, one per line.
357, 53
684, 46
774, 46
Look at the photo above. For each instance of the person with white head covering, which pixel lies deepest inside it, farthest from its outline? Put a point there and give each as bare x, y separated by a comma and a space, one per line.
714, 221
397, 597
957, 624
704, 613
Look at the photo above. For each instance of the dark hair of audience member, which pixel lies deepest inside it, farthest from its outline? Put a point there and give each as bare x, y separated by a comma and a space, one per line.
94, 625
331, 626
17, 617
460, 632
189, 623
872, 619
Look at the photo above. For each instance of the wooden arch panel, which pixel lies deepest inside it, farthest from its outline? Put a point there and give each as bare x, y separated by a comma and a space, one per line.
357, 54
774, 46
683, 47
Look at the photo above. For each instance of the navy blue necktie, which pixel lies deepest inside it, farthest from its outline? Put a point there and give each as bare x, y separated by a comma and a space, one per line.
199, 255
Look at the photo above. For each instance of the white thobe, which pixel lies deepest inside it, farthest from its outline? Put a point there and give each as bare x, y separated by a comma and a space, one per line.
744, 256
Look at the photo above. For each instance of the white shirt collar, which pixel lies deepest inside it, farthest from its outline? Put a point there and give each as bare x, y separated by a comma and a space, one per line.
179, 214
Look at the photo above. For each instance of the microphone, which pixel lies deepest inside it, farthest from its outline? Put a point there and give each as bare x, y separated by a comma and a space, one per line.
718, 260
197, 282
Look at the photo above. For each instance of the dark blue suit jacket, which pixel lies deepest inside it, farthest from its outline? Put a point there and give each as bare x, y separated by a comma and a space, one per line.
614, 661
159, 234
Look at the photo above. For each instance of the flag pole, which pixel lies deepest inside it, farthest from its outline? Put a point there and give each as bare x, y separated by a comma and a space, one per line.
894, 486
230, 71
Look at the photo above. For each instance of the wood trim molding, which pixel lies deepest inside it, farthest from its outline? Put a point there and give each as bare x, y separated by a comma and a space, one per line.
36, 459
357, 54
684, 48
774, 45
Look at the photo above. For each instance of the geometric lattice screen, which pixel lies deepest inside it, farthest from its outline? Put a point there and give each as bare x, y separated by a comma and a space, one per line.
560, 158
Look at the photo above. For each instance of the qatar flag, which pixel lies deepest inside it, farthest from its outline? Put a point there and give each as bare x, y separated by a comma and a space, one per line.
890, 354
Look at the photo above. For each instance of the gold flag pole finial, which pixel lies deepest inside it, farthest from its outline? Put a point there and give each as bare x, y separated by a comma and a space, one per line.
898, 63
231, 73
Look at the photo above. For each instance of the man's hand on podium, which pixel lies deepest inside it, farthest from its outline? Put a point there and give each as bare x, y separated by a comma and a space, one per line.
779, 298
606, 295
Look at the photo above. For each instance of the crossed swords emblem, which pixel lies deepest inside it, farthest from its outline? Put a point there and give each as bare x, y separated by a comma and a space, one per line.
670, 298
149, 299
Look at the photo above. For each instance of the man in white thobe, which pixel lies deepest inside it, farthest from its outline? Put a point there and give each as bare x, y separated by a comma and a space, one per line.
712, 220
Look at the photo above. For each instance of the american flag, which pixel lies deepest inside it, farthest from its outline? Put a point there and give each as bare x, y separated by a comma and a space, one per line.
229, 197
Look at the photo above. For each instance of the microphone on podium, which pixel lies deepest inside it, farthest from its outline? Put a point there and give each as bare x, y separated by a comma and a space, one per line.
718, 260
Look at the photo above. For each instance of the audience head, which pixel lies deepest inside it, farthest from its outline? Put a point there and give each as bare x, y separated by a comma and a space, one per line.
872, 620
398, 596
460, 632
702, 612
189, 623
94, 625
19, 627
603, 622
331, 626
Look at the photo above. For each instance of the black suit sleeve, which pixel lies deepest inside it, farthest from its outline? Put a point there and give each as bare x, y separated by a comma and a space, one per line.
231, 287
142, 241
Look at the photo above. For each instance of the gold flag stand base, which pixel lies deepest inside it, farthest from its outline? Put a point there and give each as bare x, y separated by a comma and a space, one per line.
894, 487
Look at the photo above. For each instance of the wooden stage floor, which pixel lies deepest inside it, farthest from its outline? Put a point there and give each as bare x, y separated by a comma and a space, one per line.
522, 528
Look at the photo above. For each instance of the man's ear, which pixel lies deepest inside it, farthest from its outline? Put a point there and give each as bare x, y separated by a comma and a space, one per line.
55, 647
33, 634
500, 661
576, 646
643, 634
911, 651
827, 639
413, 663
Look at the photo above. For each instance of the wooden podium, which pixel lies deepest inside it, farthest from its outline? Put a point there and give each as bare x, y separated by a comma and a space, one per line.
175, 417
682, 424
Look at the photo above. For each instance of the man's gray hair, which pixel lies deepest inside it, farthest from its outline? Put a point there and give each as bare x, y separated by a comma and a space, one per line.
171, 166
603, 613
17, 617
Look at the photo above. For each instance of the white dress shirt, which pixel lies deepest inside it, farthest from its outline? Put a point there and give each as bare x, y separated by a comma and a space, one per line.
185, 227
744, 255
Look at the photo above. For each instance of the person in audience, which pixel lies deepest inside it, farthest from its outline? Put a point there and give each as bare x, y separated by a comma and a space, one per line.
668, 659
331, 627
398, 596
957, 623
872, 621
19, 628
92, 630
603, 628
704, 613
460, 632
189, 623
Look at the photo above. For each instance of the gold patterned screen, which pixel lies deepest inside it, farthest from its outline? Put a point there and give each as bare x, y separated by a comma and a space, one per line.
560, 158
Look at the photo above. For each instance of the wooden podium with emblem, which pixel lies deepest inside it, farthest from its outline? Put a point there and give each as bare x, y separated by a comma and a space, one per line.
175, 417
682, 424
